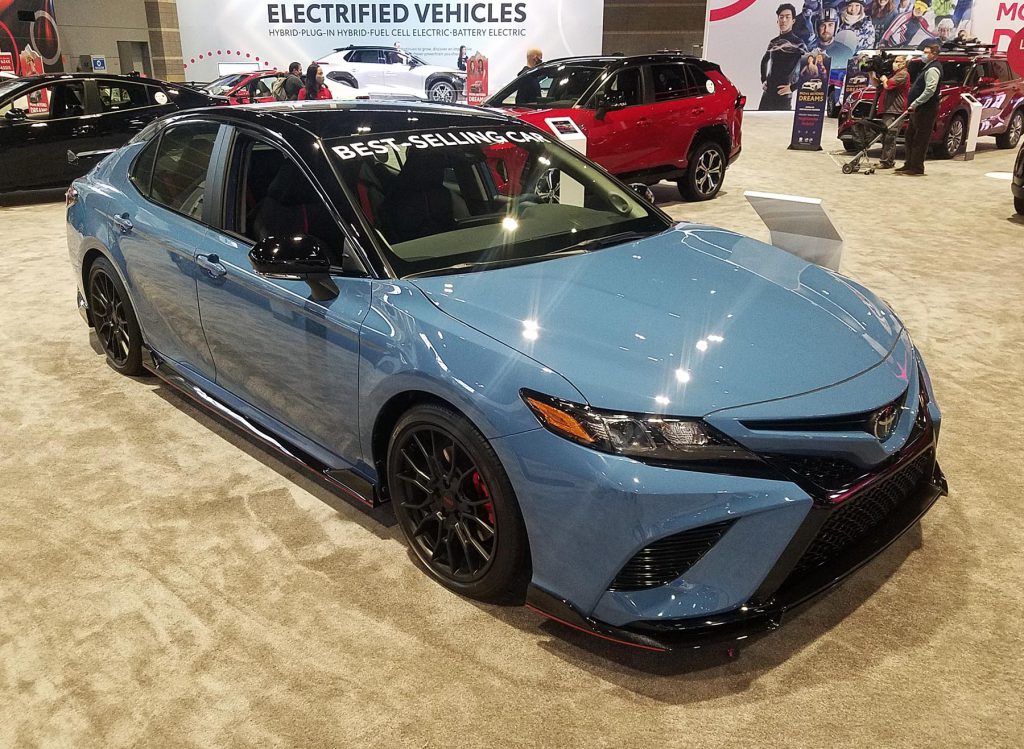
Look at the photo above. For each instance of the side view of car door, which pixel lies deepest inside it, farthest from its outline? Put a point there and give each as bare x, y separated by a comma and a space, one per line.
159, 224
617, 121
278, 345
40, 125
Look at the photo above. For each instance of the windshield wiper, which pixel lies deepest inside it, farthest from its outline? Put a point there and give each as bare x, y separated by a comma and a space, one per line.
489, 264
589, 245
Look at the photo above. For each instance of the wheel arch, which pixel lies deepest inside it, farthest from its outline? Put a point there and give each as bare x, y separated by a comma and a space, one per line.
717, 133
343, 76
439, 77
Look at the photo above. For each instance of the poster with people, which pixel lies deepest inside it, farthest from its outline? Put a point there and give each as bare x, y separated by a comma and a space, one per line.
809, 117
778, 36
29, 40
476, 79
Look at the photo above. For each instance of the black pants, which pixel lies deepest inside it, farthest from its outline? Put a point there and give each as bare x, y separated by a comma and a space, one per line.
772, 102
919, 133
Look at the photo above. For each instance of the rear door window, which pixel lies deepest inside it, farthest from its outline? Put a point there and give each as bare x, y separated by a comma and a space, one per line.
116, 96
181, 165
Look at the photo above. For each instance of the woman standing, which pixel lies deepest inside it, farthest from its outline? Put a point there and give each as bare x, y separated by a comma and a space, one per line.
314, 88
461, 62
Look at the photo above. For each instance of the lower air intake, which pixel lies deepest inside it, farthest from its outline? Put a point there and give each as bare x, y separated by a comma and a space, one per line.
668, 558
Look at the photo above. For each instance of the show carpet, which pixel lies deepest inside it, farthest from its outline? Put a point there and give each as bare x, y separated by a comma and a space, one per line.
165, 583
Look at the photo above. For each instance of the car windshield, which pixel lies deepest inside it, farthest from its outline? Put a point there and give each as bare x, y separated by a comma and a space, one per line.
547, 87
462, 199
224, 84
6, 89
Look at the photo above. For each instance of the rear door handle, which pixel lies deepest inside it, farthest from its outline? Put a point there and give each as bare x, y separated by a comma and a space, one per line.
123, 222
211, 264
699, 110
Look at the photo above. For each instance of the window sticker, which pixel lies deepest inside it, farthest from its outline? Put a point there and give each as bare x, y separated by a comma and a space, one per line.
160, 97
424, 141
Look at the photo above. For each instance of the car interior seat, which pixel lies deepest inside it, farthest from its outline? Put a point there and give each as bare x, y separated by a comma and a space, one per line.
419, 205
292, 206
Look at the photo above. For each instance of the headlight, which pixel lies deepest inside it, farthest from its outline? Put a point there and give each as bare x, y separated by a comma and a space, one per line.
648, 437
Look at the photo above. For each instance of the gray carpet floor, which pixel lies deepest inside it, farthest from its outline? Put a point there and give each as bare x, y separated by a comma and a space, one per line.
163, 582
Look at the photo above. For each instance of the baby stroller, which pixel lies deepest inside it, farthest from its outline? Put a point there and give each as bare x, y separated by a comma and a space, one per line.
876, 129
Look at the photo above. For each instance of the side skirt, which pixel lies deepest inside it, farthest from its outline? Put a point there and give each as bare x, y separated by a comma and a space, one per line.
347, 483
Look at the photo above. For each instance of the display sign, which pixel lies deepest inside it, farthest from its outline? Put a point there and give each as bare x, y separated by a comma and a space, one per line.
99, 64
477, 69
811, 103
29, 37
1015, 53
277, 33
761, 44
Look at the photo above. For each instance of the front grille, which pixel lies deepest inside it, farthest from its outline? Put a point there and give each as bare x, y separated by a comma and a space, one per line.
668, 558
857, 516
821, 472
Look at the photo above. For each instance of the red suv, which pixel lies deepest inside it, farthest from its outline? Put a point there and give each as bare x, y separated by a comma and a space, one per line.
987, 76
646, 118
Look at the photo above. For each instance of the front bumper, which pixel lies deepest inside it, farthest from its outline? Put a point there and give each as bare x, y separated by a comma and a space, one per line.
756, 616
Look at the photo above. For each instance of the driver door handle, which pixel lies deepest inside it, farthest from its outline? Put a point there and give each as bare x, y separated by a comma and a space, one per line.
123, 222
211, 264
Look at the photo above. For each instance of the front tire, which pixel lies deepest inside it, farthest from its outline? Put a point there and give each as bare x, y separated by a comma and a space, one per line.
706, 173
953, 141
455, 505
114, 319
442, 91
1011, 137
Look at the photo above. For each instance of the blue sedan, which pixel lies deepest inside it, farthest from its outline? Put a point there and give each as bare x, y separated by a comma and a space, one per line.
664, 434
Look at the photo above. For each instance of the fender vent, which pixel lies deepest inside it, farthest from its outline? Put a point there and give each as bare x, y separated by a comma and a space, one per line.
668, 558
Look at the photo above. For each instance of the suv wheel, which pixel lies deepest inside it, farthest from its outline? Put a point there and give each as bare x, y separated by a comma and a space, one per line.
954, 139
442, 91
1011, 137
706, 174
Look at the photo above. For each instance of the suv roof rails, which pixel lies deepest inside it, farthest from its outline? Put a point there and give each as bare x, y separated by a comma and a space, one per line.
968, 48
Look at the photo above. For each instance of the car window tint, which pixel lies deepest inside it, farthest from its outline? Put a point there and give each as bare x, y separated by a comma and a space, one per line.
1001, 70
275, 198
263, 86
677, 81
955, 71
558, 87
141, 171
53, 102
371, 56
116, 96
182, 160
625, 89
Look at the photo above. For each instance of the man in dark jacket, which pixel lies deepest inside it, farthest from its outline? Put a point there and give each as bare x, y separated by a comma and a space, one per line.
293, 83
781, 62
924, 108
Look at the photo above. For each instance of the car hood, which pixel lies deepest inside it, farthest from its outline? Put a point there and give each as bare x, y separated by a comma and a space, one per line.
687, 322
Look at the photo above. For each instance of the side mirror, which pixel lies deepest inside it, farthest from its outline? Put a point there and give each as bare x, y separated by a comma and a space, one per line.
15, 115
609, 101
289, 257
643, 191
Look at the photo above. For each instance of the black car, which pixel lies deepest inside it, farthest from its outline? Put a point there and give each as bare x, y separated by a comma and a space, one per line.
55, 127
1018, 182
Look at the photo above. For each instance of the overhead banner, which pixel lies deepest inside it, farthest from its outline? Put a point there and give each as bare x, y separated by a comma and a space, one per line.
761, 44
29, 41
272, 35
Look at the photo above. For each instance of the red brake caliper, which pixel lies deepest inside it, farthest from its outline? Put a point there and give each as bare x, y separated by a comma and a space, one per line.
481, 489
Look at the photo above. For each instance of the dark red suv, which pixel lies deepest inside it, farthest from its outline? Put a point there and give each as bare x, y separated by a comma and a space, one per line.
985, 75
646, 118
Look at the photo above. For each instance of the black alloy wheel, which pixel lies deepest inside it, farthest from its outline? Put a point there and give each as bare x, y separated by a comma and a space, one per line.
953, 141
455, 505
1014, 130
706, 173
114, 319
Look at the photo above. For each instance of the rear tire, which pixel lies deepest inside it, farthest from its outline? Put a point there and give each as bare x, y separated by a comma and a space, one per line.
705, 174
1011, 137
455, 505
114, 319
953, 140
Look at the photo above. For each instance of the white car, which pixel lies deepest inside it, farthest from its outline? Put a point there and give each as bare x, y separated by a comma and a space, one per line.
387, 70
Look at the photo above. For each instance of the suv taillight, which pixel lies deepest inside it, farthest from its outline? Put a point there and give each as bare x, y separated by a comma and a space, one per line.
741, 101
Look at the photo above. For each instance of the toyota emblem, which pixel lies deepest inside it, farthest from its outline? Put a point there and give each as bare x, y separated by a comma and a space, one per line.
883, 423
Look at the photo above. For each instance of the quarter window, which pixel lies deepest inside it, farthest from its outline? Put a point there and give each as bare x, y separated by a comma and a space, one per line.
182, 161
